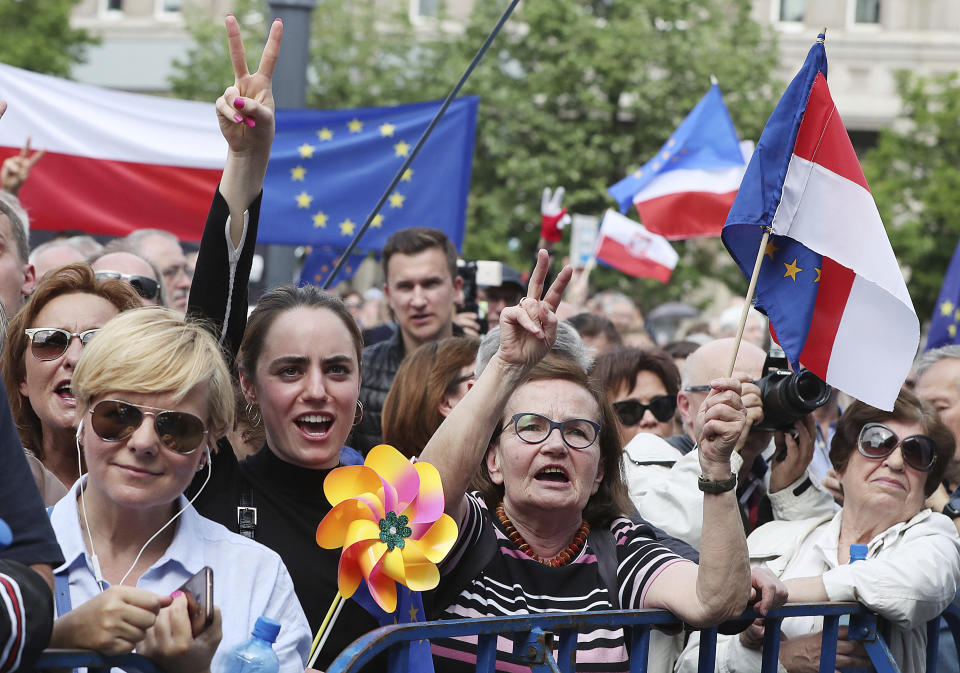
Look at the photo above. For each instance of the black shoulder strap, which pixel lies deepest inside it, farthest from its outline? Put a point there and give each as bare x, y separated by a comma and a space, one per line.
601, 541
246, 511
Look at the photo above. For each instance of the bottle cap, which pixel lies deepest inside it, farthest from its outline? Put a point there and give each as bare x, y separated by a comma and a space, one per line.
267, 629
6, 535
858, 552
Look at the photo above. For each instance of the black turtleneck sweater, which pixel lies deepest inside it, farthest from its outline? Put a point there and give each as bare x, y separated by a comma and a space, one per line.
290, 504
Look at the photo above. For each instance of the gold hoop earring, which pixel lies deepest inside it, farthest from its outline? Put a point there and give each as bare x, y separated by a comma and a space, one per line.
253, 414
358, 416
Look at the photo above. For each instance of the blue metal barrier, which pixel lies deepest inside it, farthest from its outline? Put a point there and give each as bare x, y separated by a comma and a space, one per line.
535, 640
94, 662
536, 637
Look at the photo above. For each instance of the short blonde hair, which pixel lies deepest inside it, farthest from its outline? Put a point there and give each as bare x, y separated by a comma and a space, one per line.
154, 350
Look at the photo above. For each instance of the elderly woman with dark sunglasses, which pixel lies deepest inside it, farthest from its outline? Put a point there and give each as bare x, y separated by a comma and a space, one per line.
152, 395
44, 342
888, 463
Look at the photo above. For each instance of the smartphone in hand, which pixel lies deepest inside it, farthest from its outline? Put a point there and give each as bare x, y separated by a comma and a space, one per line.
199, 592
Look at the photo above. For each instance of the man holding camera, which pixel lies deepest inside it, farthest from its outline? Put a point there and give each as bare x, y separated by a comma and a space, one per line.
772, 482
421, 285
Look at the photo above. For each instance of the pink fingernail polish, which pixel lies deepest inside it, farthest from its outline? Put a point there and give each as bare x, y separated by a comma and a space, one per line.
238, 102
249, 122
176, 594
237, 118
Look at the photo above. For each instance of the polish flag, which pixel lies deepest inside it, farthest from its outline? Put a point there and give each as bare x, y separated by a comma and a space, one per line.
115, 162
687, 188
628, 247
829, 281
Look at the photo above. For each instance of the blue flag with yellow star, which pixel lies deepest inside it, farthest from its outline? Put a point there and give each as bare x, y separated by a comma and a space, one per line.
945, 323
409, 611
321, 261
328, 168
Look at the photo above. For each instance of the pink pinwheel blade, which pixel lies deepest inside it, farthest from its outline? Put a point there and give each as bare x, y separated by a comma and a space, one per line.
396, 471
428, 505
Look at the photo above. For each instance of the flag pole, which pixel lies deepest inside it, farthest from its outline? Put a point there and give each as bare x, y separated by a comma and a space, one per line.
749, 300
423, 138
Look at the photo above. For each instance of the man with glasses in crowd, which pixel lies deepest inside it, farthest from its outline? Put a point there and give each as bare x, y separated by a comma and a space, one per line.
767, 489
117, 263
162, 249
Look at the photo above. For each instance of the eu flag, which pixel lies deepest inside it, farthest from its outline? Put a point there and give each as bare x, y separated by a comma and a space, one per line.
409, 611
945, 322
328, 168
321, 261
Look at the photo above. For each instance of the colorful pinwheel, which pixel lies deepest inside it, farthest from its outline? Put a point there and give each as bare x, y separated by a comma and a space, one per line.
388, 517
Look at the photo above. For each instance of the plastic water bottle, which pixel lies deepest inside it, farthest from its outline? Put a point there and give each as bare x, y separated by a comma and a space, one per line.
256, 655
858, 552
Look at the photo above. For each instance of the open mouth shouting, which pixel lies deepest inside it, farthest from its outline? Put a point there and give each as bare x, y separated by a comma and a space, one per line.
314, 426
65, 393
552, 474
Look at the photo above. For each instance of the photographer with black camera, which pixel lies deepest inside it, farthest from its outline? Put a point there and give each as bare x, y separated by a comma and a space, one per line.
488, 288
772, 482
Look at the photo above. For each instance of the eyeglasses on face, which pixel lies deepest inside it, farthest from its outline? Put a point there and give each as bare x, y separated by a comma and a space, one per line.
630, 412
49, 343
174, 270
179, 431
146, 287
577, 433
877, 441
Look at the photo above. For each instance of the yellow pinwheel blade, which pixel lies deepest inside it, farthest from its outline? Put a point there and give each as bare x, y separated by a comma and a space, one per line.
438, 540
349, 481
396, 471
332, 530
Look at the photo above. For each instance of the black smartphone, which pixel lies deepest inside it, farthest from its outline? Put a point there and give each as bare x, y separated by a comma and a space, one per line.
199, 592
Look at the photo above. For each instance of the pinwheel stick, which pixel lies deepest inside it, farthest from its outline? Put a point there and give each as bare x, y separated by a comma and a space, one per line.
326, 626
749, 300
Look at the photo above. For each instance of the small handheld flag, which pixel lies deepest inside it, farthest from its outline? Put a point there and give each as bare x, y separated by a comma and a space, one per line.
628, 247
945, 323
829, 281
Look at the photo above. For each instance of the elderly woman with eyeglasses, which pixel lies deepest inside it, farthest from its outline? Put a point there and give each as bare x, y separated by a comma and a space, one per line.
548, 532
888, 463
44, 342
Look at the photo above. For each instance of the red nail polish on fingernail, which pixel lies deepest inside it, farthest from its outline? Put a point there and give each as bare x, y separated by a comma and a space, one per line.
249, 122
238, 102
237, 118
229, 13
278, 19
176, 594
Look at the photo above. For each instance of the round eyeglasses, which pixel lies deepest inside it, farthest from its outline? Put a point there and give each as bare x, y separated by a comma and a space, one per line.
577, 433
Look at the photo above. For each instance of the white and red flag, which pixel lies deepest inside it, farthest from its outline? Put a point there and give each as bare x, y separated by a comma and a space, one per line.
687, 188
829, 281
115, 162
629, 247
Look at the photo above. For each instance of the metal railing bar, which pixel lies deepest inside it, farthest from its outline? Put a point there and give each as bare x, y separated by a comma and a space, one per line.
828, 643
640, 649
771, 645
486, 653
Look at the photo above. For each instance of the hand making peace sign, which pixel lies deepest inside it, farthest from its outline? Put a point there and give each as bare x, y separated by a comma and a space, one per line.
16, 169
245, 110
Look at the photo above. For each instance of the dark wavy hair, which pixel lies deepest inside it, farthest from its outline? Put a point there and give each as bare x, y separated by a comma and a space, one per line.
618, 368
611, 500
907, 409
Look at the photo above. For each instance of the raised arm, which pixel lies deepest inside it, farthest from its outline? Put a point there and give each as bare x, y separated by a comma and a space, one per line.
717, 589
245, 112
527, 333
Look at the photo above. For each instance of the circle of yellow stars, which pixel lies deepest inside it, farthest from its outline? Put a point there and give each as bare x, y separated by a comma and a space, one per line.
306, 151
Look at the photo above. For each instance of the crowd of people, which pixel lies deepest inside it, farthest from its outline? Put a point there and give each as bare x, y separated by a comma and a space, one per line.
166, 427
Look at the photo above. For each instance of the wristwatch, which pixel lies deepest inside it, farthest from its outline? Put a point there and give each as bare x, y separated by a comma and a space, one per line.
714, 486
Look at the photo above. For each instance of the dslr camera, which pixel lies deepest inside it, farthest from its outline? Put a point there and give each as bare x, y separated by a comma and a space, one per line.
788, 396
478, 273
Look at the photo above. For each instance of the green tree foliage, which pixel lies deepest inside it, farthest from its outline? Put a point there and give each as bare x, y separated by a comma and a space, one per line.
37, 36
573, 92
914, 174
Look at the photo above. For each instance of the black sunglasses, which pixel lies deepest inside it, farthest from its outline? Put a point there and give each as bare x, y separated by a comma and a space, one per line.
631, 411
49, 343
878, 441
179, 431
146, 287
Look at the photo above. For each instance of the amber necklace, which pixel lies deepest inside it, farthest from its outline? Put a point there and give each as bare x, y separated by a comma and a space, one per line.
561, 559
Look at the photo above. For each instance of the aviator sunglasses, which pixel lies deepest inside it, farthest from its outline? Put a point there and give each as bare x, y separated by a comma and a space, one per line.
49, 343
631, 411
878, 441
179, 431
144, 286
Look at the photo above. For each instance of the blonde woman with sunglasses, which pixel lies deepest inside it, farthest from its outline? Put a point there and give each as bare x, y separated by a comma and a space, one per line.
152, 394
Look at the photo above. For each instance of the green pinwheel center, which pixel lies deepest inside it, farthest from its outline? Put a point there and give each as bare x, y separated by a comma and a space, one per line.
394, 530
